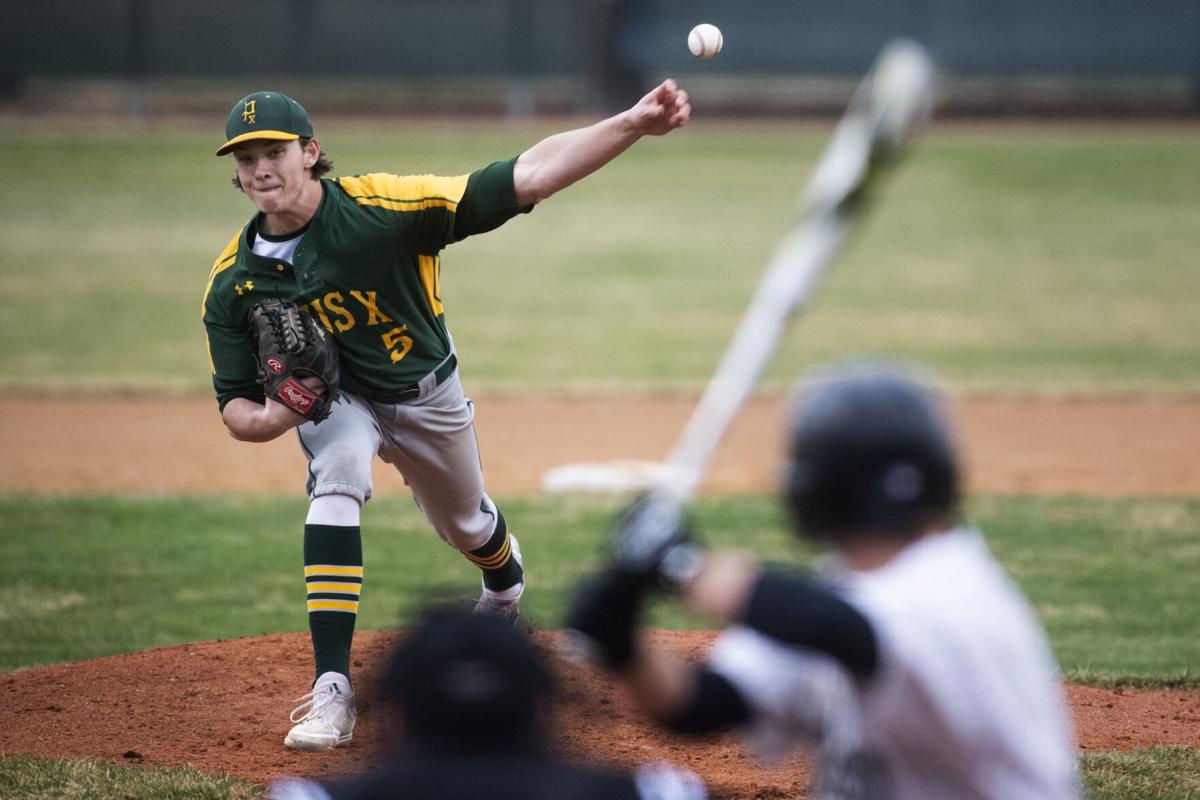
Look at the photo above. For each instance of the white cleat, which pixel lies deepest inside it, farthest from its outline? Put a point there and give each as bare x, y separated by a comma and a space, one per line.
506, 604
507, 610
326, 718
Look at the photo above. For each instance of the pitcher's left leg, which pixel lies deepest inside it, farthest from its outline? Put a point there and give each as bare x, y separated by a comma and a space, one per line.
433, 445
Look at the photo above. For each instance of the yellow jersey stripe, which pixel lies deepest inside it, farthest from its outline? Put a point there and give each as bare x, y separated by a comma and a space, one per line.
224, 261
331, 569
333, 605
431, 280
337, 588
405, 192
407, 205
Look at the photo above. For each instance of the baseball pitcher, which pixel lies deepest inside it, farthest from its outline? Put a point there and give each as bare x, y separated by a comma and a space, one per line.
324, 315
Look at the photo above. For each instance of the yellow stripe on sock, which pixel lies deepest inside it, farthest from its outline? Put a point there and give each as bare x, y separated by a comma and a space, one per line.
331, 569
333, 605
339, 588
496, 560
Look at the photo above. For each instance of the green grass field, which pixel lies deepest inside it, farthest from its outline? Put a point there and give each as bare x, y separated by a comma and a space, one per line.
1014, 259
85, 577
1057, 259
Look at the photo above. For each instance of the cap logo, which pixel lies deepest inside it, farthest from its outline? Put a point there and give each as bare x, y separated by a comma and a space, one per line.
248, 112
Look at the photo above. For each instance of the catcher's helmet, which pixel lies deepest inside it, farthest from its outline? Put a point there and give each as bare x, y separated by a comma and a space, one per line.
468, 681
871, 453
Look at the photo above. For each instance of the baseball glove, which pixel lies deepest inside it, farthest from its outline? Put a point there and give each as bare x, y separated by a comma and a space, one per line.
291, 346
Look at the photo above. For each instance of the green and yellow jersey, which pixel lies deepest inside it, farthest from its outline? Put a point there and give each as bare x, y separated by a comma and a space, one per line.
367, 268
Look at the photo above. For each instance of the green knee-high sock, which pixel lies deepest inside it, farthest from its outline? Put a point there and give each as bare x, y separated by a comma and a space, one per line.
501, 569
333, 575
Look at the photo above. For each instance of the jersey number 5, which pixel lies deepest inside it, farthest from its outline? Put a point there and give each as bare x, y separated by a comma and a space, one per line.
397, 343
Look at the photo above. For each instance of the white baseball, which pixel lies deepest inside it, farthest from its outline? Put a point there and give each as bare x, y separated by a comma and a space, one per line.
705, 40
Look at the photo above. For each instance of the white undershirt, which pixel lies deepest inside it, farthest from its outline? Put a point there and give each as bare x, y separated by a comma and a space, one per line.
278, 251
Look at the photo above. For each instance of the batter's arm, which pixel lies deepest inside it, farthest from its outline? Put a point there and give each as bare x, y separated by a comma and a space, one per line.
604, 620
734, 590
687, 698
786, 607
691, 698
560, 160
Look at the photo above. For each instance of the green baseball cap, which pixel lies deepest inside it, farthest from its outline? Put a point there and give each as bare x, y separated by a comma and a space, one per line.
265, 115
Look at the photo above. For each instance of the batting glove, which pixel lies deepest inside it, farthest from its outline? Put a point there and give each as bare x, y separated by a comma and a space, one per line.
604, 616
654, 543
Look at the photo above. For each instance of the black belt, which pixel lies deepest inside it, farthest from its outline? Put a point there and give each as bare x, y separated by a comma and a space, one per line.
413, 390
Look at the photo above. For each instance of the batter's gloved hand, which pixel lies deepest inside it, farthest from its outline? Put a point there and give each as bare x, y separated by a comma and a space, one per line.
654, 543
291, 346
603, 618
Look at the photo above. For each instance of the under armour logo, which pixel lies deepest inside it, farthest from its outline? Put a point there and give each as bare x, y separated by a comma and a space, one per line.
237, 287
248, 112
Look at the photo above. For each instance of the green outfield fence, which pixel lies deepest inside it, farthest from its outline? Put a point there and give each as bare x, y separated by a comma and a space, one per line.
584, 55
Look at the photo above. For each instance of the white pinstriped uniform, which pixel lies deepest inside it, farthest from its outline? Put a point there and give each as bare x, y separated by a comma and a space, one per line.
965, 703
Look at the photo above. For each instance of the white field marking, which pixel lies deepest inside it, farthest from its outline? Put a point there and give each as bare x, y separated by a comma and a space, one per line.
608, 476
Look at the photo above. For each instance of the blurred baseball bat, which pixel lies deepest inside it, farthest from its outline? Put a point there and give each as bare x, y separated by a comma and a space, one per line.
889, 106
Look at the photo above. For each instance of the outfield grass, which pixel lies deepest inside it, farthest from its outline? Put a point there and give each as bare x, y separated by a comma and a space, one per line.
1017, 259
1111, 579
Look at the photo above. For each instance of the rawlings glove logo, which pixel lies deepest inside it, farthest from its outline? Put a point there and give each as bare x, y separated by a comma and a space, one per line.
296, 397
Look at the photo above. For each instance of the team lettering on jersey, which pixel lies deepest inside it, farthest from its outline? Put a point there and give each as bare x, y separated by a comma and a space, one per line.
331, 309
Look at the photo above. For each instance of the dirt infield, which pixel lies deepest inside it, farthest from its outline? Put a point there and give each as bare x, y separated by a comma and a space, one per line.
1089, 446
222, 706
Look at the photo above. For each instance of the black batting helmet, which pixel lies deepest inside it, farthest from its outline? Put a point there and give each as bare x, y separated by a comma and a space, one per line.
871, 452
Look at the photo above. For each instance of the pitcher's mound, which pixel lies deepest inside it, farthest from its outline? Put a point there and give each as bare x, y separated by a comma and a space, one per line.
223, 706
